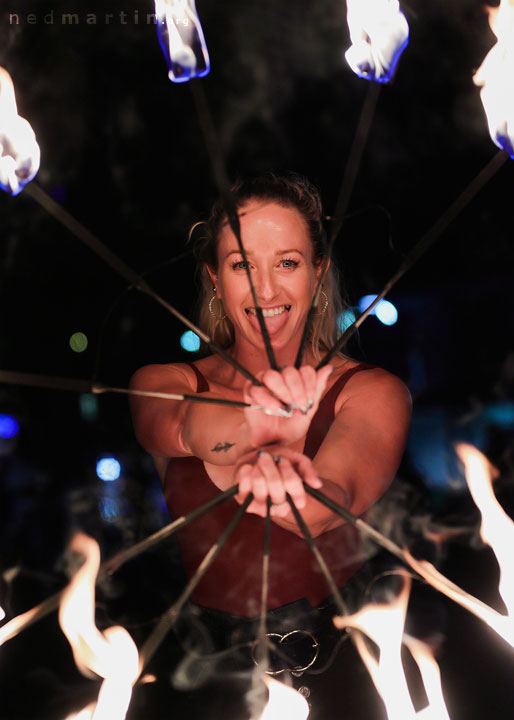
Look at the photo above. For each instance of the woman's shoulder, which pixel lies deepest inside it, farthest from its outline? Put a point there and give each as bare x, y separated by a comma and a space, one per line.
368, 383
164, 375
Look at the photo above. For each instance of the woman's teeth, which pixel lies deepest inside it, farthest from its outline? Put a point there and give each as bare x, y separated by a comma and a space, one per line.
271, 311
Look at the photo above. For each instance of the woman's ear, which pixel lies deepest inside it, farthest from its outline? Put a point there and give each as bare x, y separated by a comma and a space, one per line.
213, 276
319, 266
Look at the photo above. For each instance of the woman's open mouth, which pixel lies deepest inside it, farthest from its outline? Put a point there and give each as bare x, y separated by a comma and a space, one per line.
269, 312
274, 317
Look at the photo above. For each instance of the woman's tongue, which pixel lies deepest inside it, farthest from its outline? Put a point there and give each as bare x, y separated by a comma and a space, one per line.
273, 322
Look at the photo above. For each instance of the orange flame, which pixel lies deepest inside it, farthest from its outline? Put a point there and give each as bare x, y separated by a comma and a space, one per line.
429, 669
496, 77
84, 714
19, 151
383, 623
284, 702
111, 654
497, 530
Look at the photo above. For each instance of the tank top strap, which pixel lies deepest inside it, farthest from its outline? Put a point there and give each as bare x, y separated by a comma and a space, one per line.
201, 383
325, 414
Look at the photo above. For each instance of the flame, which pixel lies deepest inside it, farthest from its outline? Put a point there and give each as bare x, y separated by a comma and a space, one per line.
182, 40
379, 33
84, 714
2, 613
284, 702
19, 151
495, 77
497, 530
111, 654
429, 669
383, 623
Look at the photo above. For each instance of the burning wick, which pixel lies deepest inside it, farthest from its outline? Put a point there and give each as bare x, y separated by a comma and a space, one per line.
19, 151
495, 77
379, 34
182, 41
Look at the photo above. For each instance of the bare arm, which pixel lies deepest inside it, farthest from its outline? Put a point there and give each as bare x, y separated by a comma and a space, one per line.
360, 453
170, 428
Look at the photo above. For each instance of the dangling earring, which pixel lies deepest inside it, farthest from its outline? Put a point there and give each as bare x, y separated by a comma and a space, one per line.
325, 305
213, 298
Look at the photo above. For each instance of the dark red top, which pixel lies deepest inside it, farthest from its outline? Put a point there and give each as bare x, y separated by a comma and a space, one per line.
233, 582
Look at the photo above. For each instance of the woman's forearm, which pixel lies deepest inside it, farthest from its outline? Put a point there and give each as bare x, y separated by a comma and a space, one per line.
215, 434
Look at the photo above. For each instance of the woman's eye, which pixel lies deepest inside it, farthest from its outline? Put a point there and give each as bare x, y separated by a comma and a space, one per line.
289, 263
240, 265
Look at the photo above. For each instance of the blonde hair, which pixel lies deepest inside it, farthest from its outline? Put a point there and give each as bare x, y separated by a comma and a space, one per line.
293, 191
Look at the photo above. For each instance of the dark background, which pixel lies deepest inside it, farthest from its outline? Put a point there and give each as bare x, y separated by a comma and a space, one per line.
123, 152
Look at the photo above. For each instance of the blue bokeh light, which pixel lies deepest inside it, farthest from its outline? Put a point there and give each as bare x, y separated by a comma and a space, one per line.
9, 427
346, 319
190, 341
385, 311
108, 469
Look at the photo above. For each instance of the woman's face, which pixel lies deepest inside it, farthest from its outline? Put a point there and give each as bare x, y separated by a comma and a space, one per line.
279, 252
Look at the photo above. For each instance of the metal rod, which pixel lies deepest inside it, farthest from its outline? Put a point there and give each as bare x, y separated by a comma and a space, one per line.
262, 654
363, 526
428, 239
22, 622
95, 388
218, 166
168, 619
345, 192
74, 226
321, 562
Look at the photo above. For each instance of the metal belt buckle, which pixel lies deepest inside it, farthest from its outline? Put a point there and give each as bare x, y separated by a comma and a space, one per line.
285, 639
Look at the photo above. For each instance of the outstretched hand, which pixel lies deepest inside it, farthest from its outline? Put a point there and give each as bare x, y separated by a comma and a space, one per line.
300, 389
273, 472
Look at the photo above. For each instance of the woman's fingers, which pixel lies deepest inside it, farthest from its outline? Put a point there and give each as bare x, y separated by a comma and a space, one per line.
292, 483
310, 381
275, 485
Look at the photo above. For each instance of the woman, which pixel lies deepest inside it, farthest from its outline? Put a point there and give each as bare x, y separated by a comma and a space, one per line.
348, 426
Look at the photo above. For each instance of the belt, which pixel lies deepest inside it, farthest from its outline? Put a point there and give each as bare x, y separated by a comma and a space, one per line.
299, 637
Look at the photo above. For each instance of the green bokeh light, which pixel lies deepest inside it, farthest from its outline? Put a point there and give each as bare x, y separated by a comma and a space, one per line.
78, 342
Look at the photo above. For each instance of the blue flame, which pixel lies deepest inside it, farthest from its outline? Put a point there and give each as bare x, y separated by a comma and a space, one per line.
181, 38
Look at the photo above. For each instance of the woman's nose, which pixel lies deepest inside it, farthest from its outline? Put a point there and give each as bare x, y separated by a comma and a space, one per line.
265, 285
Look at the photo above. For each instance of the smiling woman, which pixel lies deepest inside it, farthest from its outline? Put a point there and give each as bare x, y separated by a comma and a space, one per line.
347, 423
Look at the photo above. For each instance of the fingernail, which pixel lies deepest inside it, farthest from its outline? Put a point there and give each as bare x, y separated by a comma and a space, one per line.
310, 403
293, 406
277, 459
303, 409
260, 453
284, 412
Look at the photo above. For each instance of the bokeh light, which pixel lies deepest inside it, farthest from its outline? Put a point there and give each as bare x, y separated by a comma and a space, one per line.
345, 319
9, 427
78, 342
88, 405
108, 469
385, 311
190, 341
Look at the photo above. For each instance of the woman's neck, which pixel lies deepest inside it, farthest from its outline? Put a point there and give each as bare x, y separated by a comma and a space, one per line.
256, 359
